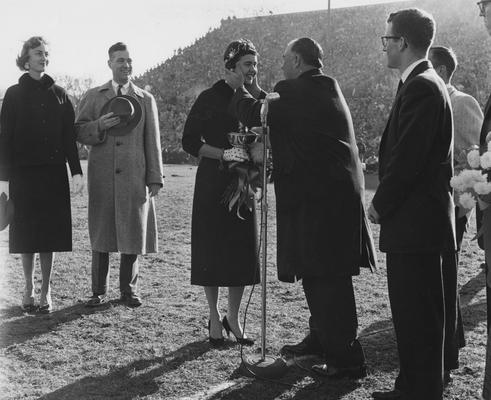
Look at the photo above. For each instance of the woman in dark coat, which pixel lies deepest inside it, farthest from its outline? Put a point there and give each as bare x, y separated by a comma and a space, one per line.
224, 249
36, 140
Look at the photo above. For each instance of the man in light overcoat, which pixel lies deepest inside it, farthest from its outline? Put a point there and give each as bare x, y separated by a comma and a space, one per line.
124, 174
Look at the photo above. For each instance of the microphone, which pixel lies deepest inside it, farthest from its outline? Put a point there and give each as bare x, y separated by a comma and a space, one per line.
270, 97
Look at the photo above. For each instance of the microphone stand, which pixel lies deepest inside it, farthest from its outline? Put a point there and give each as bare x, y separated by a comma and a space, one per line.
264, 366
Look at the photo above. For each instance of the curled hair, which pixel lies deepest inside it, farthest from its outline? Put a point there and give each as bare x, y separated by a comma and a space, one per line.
236, 50
120, 46
29, 44
415, 25
309, 50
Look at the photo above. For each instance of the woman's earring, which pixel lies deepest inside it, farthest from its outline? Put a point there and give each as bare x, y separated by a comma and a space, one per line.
26, 66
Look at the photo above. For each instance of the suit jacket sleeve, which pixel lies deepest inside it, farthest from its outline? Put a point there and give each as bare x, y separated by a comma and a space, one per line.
153, 150
468, 120
419, 115
246, 108
86, 125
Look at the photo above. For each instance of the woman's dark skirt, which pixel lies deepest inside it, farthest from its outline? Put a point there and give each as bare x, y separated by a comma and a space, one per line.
42, 218
224, 249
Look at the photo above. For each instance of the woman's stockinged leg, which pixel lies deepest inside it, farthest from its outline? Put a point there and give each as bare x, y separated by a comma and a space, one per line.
234, 299
211, 293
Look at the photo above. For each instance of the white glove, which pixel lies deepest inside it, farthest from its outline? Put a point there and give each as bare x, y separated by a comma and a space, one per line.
77, 183
4, 187
235, 154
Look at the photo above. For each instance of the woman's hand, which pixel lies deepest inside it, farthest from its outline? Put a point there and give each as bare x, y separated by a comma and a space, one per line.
235, 154
77, 183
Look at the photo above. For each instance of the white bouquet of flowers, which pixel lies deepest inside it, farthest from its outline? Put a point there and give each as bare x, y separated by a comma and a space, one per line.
472, 184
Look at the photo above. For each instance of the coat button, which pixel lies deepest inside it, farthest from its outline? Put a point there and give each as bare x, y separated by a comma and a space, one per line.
118, 170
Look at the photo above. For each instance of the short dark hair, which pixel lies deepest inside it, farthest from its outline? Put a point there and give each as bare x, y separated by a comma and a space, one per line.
309, 50
120, 46
236, 50
415, 25
30, 43
441, 55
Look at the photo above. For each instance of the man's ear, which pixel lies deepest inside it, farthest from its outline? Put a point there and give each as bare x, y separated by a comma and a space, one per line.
297, 60
403, 44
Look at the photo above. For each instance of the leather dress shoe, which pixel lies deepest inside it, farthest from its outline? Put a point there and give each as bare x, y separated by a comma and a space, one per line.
331, 372
131, 300
389, 395
96, 300
307, 346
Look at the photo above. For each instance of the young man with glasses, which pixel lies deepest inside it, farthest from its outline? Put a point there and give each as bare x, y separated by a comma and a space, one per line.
414, 206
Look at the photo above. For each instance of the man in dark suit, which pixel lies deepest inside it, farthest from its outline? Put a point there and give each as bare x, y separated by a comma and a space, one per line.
323, 234
413, 203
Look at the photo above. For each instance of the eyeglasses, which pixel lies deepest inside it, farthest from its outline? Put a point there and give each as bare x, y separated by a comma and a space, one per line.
385, 39
482, 7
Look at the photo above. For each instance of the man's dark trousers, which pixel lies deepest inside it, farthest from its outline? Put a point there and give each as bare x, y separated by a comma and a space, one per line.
128, 273
416, 299
454, 328
332, 307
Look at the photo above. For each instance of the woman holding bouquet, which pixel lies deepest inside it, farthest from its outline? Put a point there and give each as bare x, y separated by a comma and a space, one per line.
37, 138
224, 249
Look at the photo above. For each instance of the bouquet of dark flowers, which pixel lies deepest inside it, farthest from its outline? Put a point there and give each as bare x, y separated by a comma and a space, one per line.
247, 175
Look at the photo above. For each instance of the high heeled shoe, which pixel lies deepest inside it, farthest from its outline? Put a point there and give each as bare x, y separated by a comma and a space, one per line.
215, 342
241, 340
45, 304
28, 302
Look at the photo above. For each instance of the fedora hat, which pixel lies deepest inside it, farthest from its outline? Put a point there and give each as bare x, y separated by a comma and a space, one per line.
6, 211
129, 111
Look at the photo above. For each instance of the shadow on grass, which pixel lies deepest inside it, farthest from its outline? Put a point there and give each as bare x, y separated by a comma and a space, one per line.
472, 287
31, 325
140, 378
298, 382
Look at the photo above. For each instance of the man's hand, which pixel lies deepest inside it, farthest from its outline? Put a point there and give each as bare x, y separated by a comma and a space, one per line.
107, 121
256, 151
4, 187
373, 215
154, 188
234, 79
78, 183
253, 88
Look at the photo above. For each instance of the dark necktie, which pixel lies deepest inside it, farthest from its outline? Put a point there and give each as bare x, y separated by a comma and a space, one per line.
399, 86
119, 90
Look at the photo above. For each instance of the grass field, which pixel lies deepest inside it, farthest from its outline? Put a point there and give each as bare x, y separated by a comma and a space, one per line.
160, 350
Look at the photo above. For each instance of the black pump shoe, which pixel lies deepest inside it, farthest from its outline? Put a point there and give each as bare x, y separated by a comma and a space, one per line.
215, 342
240, 340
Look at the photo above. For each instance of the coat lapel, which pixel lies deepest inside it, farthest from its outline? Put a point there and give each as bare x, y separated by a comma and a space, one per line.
107, 90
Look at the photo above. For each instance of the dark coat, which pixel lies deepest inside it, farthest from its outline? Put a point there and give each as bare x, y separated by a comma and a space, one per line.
414, 198
321, 224
36, 127
37, 139
224, 249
